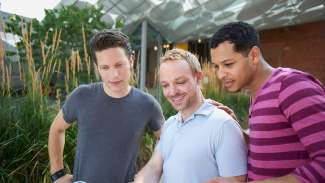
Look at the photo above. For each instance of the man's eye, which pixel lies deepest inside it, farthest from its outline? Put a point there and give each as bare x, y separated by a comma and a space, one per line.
228, 64
104, 68
180, 82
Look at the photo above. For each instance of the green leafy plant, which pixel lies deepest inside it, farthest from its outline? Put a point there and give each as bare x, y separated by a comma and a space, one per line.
70, 23
26, 115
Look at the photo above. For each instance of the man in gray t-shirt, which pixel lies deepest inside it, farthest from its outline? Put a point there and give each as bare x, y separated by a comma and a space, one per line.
111, 117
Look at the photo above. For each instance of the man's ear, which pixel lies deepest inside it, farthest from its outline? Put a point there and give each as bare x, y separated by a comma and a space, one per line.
255, 54
131, 60
199, 76
96, 70
96, 66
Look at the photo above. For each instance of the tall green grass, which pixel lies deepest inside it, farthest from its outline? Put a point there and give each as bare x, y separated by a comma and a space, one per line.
26, 114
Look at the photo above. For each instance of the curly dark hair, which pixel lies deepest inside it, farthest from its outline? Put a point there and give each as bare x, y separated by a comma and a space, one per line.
109, 39
241, 34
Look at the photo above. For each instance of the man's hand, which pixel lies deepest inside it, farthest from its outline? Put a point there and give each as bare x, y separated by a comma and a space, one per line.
223, 107
222, 180
67, 178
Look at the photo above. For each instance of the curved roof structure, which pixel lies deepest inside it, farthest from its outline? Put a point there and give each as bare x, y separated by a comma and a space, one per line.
180, 20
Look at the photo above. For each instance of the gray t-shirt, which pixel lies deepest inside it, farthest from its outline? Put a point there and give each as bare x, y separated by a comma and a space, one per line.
109, 131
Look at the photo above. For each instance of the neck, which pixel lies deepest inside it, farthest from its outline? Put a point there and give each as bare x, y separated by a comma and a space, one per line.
195, 105
119, 94
263, 71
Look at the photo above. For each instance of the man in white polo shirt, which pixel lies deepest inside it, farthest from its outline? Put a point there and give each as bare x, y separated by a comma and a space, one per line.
199, 142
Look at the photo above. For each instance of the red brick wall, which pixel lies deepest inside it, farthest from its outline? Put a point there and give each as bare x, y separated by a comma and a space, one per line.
301, 47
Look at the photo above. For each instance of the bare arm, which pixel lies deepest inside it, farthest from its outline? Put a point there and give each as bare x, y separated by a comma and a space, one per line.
285, 179
288, 178
152, 171
235, 179
56, 142
240, 178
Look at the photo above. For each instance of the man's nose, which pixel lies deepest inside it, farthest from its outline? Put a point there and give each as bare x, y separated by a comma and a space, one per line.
172, 90
221, 74
113, 73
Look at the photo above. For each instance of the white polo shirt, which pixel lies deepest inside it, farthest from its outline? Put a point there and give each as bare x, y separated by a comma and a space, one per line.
209, 143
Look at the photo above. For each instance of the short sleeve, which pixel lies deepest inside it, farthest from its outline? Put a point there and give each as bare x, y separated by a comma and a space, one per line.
231, 150
157, 117
70, 105
159, 147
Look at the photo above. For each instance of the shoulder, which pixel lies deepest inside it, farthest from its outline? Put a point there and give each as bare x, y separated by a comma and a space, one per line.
219, 115
171, 120
214, 119
224, 126
76, 100
299, 93
169, 123
224, 130
292, 77
85, 90
140, 93
143, 97
219, 120
299, 83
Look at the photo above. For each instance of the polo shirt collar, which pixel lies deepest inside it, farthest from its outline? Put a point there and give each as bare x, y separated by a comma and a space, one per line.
205, 110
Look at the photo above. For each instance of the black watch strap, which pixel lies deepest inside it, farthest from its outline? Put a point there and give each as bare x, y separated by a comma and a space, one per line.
58, 174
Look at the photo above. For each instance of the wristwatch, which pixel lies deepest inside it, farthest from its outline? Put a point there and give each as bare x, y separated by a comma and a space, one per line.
58, 174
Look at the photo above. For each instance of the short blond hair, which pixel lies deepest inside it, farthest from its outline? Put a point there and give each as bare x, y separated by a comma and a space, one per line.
179, 54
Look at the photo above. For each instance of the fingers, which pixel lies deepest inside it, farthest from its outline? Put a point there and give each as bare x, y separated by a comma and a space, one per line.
220, 105
226, 109
223, 107
213, 102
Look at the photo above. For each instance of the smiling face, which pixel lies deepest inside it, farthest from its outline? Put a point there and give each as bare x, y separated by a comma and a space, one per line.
235, 70
180, 85
114, 68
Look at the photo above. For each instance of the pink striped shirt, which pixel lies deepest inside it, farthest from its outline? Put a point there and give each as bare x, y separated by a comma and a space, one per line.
287, 128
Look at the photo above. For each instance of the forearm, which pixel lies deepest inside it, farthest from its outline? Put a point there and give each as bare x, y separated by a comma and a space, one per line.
148, 174
284, 179
55, 147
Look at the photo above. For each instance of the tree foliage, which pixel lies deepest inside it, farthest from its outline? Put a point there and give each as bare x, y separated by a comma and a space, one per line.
71, 25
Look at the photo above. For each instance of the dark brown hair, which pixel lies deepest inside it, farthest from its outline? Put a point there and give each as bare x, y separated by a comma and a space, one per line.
109, 39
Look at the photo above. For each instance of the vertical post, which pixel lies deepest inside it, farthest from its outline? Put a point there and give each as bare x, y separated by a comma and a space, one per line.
159, 54
143, 65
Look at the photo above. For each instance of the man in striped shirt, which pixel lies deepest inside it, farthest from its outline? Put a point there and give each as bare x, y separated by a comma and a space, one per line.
287, 111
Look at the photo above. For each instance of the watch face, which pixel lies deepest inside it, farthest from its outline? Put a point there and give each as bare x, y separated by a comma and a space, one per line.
79, 182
